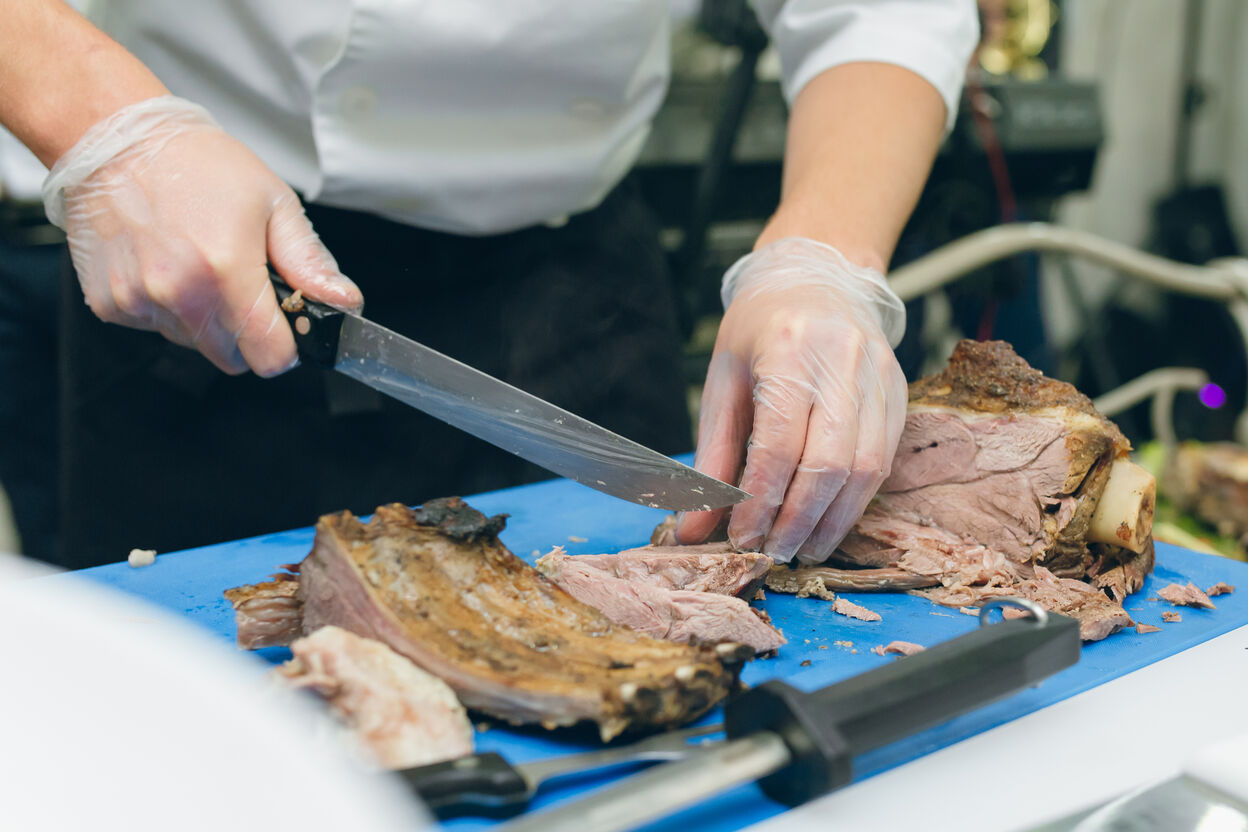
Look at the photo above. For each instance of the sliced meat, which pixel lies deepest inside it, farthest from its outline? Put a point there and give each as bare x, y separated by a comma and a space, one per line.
267, 614
1171, 617
1147, 628
678, 615
709, 567
852, 610
404, 716
436, 586
1186, 596
1220, 588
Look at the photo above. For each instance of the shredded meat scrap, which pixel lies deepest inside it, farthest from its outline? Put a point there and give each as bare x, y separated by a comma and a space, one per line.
1186, 596
436, 586
852, 610
900, 648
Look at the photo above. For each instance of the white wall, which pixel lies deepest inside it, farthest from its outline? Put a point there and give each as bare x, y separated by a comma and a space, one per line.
1132, 48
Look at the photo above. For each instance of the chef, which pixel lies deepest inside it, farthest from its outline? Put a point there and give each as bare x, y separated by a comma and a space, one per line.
466, 163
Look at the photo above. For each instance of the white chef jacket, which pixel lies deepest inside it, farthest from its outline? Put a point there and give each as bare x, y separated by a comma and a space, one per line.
481, 116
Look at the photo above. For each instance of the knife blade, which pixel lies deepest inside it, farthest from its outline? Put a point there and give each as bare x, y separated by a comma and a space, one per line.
800, 745
1180, 803
1209, 794
495, 411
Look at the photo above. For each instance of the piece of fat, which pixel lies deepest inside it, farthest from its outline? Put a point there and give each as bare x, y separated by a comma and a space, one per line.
141, 557
402, 715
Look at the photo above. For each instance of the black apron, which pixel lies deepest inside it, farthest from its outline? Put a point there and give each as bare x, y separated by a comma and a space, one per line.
160, 450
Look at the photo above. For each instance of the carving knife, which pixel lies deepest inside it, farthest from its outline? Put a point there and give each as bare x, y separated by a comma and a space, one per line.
495, 411
800, 745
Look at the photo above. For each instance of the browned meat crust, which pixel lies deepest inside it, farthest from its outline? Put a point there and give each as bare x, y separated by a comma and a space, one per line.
438, 587
268, 614
454, 518
988, 376
784, 579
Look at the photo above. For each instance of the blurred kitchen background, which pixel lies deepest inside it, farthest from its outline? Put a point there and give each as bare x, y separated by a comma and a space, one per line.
1124, 118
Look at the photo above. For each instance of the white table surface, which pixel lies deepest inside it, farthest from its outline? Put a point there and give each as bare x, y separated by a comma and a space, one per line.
1082, 751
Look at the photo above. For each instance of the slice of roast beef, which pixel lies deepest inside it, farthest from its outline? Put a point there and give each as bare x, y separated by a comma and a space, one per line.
707, 567
437, 586
1002, 472
641, 600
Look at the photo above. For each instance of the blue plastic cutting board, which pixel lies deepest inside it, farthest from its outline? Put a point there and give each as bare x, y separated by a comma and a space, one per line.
566, 514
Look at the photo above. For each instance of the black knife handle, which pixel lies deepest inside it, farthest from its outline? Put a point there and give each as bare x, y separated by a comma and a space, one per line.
468, 783
316, 325
826, 728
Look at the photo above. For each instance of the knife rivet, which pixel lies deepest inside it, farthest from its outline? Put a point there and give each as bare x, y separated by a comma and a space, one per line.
302, 325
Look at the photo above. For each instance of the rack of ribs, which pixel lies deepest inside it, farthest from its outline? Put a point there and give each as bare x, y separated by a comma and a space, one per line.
437, 586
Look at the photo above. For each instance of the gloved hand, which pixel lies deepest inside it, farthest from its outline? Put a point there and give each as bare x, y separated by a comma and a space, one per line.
171, 224
804, 370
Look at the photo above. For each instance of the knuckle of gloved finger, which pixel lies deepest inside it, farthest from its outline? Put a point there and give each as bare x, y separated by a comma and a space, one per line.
868, 467
130, 301
221, 267
779, 400
179, 290
829, 477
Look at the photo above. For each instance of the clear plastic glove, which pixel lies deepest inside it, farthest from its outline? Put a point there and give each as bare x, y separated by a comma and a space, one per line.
803, 371
171, 225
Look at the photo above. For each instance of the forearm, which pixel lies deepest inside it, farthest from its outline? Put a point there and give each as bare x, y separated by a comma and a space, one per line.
59, 75
861, 141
